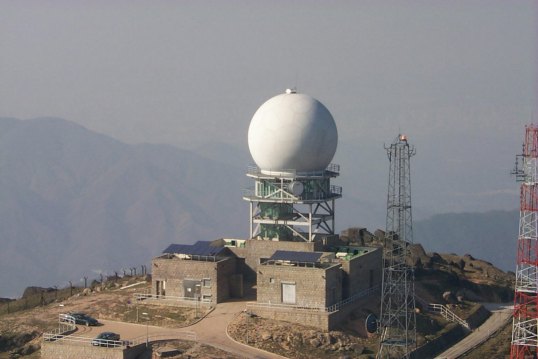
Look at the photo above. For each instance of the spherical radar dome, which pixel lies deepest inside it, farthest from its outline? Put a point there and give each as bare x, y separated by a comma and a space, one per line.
292, 132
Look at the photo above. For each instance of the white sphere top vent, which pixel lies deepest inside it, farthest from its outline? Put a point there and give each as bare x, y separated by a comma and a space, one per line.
292, 132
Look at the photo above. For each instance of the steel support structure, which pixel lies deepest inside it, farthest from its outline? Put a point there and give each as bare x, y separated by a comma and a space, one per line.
525, 316
292, 206
397, 324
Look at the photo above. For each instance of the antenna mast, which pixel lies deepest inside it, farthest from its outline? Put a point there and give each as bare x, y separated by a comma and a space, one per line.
525, 316
397, 319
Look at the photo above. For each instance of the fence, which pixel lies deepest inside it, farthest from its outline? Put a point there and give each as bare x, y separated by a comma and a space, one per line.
45, 296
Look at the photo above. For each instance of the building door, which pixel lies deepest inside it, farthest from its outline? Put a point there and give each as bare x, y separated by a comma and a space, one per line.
160, 288
288, 293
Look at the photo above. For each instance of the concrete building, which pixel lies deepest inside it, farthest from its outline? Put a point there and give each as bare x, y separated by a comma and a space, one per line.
299, 279
200, 271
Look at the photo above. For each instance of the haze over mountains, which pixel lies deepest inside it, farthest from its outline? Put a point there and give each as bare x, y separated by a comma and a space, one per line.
74, 202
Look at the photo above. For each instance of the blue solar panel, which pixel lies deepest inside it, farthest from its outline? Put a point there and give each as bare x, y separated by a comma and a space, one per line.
310, 257
200, 248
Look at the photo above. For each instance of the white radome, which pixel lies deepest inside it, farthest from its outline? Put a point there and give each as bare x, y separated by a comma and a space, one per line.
292, 132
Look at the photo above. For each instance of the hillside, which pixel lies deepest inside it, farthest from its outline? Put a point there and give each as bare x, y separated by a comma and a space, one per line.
75, 203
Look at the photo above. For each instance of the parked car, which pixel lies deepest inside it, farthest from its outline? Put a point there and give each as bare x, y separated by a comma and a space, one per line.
83, 318
107, 339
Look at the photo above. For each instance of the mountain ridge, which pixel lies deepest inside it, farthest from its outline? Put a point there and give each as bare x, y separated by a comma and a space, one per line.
71, 200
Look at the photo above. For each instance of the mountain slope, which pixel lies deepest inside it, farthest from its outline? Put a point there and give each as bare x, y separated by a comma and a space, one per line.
73, 201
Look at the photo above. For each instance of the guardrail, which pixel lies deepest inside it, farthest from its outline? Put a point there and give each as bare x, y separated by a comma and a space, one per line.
66, 323
444, 311
50, 337
353, 298
448, 314
72, 339
286, 306
292, 173
187, 335
172, 299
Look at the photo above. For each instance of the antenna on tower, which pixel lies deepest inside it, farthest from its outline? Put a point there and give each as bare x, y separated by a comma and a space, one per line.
397, 319
525, 315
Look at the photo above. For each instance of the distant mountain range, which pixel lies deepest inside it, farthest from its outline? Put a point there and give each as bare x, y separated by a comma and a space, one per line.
74, 203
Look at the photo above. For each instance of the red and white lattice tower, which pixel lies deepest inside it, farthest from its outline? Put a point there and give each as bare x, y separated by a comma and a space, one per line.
525, 321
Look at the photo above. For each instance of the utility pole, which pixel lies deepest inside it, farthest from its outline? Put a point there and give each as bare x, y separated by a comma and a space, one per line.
397, 324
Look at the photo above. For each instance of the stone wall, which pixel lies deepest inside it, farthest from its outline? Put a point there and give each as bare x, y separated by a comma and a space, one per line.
320, 319
311, 318
362, 272
314, 287
67, 350
174, 272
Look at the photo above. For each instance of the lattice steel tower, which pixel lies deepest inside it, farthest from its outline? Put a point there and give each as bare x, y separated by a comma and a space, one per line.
397, 319
525, 321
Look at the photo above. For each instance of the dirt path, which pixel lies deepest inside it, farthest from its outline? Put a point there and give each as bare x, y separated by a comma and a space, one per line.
498, 318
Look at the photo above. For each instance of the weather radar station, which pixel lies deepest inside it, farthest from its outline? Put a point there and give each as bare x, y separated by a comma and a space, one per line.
292, 138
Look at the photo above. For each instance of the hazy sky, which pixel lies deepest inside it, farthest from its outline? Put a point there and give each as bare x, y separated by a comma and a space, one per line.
459, 77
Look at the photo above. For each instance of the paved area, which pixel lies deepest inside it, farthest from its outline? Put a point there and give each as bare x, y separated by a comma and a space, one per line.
211, 330
500, 315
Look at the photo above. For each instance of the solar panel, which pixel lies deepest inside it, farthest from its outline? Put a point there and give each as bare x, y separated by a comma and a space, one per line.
200, 248
309, 257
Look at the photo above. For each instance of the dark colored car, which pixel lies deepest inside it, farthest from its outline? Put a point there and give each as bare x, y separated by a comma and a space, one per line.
107, 339
84, 319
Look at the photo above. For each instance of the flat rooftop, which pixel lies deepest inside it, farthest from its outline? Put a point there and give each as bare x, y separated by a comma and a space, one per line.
350, 252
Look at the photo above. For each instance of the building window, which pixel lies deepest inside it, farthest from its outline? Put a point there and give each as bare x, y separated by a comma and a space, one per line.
206, 282
271, 280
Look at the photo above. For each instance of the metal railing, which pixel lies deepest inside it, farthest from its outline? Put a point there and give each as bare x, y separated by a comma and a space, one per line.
66, 323
448, 314
149, 297
72, 339
186, 335
306, 307
292, 173
50, 337
353, 298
